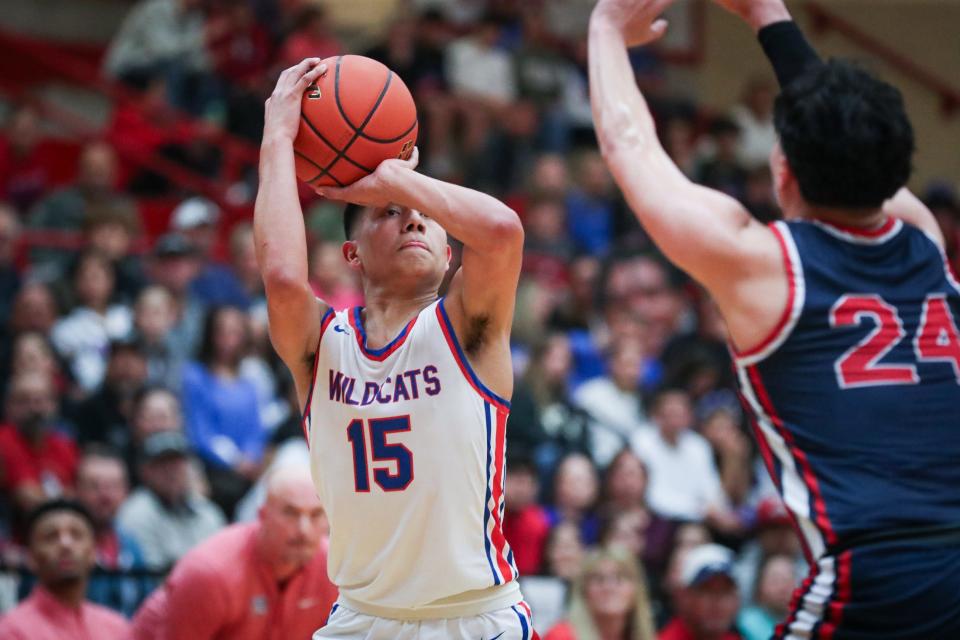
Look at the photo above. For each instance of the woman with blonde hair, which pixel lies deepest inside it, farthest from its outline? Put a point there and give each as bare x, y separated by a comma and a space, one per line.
609, 601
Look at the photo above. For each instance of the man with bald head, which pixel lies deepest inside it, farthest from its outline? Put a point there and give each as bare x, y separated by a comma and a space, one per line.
260, 581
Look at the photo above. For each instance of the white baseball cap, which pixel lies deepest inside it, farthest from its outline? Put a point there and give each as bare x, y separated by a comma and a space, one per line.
193, 213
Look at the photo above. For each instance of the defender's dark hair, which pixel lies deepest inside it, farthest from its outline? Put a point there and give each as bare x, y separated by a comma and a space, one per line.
845, 135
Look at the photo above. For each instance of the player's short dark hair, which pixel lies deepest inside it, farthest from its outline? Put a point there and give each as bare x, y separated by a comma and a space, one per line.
51, 506
846, 136
351, 216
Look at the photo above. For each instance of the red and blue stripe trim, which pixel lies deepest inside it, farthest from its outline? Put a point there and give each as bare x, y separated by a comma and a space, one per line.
451, 337
305, 415
499, 555
381, 354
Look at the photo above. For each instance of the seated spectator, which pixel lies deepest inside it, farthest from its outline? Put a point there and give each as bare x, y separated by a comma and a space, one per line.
154, 316
707, 600
623, 503
106, 415
546, 250
33, 353
719, 418
269, 577
238, 283
723, 171
311, 37
102, 486
69, 208
525, 523
174, 265
754, 117
684, 484
9, 269
25, 159
83, 336
110, 230
38, 461
165, 37
575, 489
609, 601
143, 128
60, 540
774, 536
613, 401
196, 220
543, 421
165, 516
591, 206
776, 582
547, 593
34, 309
221, 412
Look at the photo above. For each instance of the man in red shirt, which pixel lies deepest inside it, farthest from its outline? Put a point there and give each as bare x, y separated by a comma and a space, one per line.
265, 580
707, 602
37, 463
60, 538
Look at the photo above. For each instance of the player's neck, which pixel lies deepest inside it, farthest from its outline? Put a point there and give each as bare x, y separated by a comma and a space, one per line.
861, 218
385, 315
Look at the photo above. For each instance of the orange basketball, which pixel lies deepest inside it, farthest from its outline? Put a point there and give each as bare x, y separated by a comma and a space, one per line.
357, 115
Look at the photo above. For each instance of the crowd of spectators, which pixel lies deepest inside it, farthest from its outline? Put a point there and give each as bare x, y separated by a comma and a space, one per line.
137, 375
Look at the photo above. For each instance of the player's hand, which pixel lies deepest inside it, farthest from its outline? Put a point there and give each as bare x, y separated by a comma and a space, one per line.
638, 20
281, 118
756, 13
377, 189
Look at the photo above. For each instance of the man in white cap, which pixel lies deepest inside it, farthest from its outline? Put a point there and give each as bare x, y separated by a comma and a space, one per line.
217, 283
707, 602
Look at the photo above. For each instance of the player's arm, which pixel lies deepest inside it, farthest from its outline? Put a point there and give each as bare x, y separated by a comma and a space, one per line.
706, 233
279, 231
791, 54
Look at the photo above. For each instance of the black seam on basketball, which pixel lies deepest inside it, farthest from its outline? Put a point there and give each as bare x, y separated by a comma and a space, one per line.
332, 146
322, 172
342, 153
389, 140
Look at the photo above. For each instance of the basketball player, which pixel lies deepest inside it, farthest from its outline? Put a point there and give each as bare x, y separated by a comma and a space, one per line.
405, 409
843, 320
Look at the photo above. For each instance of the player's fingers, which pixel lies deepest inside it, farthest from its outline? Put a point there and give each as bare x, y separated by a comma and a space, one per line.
414, 159
657, 29
292, 75
311, 76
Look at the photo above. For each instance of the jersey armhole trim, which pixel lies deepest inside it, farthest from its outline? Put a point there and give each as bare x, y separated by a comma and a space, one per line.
796, 294
305, 416
451, 338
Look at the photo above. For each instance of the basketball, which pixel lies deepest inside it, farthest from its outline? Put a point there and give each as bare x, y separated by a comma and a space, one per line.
356, 116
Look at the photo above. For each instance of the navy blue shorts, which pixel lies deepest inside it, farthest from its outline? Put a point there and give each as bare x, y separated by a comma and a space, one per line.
897, 590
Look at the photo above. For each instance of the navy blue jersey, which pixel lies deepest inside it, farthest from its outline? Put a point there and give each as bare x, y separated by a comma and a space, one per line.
856, 394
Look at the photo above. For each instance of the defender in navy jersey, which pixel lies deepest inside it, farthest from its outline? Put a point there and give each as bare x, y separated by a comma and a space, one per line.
843, 322
404, 407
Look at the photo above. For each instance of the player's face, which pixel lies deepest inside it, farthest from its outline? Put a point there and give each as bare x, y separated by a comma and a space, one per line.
400, 247
61, 548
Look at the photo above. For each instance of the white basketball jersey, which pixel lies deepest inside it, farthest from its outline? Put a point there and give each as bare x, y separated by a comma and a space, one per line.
407, 451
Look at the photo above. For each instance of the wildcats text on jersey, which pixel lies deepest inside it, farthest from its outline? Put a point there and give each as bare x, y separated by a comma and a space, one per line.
407, 385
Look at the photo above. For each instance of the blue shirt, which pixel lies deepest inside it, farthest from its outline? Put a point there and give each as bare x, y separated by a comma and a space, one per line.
222, 416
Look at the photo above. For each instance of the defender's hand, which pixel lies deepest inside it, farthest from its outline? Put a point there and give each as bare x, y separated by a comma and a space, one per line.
375, 190
281, 117
756, 13
638, 20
